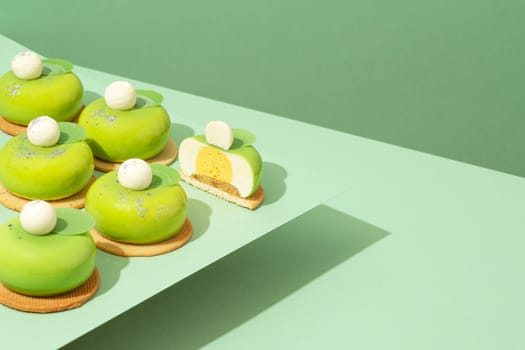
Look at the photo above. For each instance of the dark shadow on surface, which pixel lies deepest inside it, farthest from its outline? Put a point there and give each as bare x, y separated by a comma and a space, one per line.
90, 96
109, 266
179, 132
273, 182
224, 295
199, 214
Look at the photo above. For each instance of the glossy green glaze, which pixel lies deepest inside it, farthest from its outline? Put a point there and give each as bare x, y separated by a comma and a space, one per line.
44, 265
58, 96
45, 172
117, 135
140, 217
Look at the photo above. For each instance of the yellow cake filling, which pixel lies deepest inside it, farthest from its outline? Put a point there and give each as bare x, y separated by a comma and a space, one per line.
214, 163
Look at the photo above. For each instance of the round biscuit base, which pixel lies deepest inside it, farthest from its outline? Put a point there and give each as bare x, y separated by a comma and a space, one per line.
166, 157
11, 128
55, 303
251, 202
14, 202
14, 129
130, 249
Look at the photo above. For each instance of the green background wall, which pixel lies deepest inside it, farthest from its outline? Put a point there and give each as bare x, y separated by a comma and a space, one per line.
444, 77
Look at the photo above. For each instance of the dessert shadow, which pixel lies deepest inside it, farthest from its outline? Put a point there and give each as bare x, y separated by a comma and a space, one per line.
199, 214
273, 182
90, 96
179, 132
110, 267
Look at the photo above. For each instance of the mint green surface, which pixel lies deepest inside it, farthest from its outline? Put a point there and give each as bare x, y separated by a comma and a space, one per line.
420, 252
441, 271
219, 227
445, 77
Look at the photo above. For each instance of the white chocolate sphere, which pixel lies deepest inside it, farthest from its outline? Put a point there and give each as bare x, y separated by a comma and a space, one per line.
135, 174
38, 217
120, 95
43, 131
219, 133
27, 65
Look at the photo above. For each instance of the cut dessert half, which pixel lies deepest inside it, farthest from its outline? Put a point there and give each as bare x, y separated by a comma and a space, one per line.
227, 167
